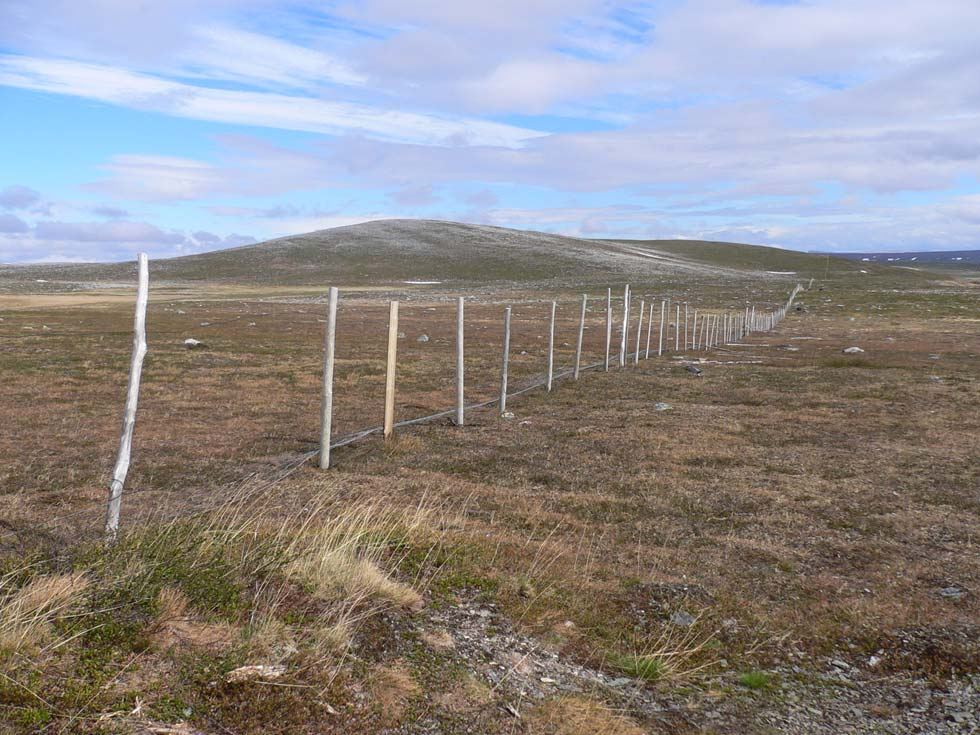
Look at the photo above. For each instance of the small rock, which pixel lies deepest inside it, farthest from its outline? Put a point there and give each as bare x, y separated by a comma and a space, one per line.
661, 406
401, 335
181, 311
693, 370
423, 338
838, 664
683, 619
933, 356
852, 350
507, 415
205, 324
874, 661
952, 592
193, 344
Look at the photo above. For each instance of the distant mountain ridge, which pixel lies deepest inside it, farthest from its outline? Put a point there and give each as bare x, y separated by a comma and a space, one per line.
396, 251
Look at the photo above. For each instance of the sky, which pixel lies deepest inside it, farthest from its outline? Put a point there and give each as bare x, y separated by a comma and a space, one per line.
191, 125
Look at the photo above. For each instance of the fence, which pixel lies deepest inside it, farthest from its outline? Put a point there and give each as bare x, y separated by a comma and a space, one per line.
698, 330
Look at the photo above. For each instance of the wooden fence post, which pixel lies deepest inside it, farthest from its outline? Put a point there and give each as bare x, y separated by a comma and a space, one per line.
660, 340
121, 469
667, 327
677, 330
389, 426
626, 326
551, 346
504, 361
608, 326
460, 363
329, 354
581, 336
686, 341
639, 332
649, 331
694, 331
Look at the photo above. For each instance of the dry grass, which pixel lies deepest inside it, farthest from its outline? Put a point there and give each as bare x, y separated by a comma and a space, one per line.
579, 716
28, 612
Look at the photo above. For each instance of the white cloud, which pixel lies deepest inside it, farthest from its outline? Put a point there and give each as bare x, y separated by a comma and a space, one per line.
146, 92
9, 224
18, 197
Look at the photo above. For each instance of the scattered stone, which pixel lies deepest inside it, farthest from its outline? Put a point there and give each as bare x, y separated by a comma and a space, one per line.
933, 356
693, 370
205, 324
838, 664
423, 338
401, 335
852, 350
683, 619
661, 406
181, 311
193, 344
952, 592
507, 415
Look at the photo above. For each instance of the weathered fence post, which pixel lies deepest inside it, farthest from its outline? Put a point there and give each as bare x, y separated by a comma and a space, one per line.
649, 331
686, 342
677, 330
581, 336
608, 326
639, 332
660, 340
504, 361
460, 363
626, 326
551, 346
132, 398
694, 331
389, 425
329, 353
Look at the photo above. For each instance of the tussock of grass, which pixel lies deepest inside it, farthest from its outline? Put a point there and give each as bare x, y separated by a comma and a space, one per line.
27, 613
240, 585
755, 680
674, 655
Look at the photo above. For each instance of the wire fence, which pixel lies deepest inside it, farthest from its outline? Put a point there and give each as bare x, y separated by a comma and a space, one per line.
631, 329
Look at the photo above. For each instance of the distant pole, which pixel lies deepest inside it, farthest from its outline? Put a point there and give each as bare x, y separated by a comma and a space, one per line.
639, 331
608, 326
389, 425
649, 330
329, 350
121, 469
694, 331
704, 332
551, 346
660, 340
460, 365
667, 327
626, 326
581, 336
504, 361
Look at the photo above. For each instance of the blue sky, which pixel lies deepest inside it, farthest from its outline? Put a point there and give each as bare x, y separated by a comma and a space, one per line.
191, 125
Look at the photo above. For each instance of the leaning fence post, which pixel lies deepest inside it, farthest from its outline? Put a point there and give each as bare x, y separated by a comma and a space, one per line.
326, 408
686, 314
460, 400
132, 398
639, 331
504, 361
608, 326
390, 372
581, 335
551, 346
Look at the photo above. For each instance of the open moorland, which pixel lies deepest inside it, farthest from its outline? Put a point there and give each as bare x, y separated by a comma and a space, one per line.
785, 542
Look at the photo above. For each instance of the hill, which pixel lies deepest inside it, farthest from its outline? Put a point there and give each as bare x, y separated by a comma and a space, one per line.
395, 251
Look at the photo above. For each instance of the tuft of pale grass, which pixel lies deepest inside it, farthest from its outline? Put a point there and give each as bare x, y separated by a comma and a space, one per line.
675, 654
27, 613
578, 715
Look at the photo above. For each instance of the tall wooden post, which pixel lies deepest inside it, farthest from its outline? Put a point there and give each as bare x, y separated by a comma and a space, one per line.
389, 426
639, 331
686, 341
581, 336
667, 327
460, 363
608, 326
551, 346
504, 361
121, 469
329, 352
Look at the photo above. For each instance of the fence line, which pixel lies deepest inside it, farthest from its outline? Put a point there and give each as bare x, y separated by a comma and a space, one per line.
716, 328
